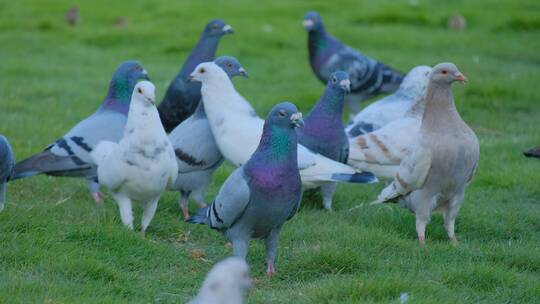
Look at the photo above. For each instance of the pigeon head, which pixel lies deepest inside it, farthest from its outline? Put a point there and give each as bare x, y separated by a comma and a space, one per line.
145, 93
217, 28
227, 279
446, 73
121, 86
207, 71
417, 79
312, 21
285, 115
340, 81
231, 66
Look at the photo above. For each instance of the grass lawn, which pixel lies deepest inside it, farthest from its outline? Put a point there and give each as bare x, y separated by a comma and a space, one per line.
57, 246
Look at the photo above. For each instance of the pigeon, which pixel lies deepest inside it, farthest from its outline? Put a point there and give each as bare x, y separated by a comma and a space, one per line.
142, 164
182, 98
196, 151
368, 76
434, 176
70, 155
323, 131
261, 195
237, 130
391, 107
72, 16
225, 283
533, 152
382, 151
7, 162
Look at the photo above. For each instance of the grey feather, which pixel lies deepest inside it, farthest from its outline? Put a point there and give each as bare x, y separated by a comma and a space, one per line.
7, 162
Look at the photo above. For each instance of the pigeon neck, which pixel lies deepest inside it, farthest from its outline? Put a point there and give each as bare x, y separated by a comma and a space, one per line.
199, 111
419, 105
204, 51
329, 107
144, 119
277, 145
119, 96
440, 111
317, 41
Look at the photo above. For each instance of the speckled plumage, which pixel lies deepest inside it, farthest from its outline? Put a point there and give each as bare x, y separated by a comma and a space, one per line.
327, 55
182, 97
260, 196
69, 155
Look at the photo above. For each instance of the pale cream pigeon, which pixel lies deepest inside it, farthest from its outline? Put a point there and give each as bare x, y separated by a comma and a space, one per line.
434, 176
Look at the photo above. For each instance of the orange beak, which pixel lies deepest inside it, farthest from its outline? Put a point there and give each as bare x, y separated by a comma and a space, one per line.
460, 77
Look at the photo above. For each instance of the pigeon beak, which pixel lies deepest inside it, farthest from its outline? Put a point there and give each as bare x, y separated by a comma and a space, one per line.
243, 72
227, 29
460, 77
345, 85
189, 78
308, 24
297, 120
145, 75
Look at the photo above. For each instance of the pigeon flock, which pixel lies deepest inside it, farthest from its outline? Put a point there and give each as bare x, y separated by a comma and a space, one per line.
413, 139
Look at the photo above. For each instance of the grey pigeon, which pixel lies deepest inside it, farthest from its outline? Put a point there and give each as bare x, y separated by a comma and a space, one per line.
225, 283
70, 155
7, 162
182, 97
327, 54
197, 153
434, 176
72, 16
260, 196
141, 166
533, 152
323, 131
391, 107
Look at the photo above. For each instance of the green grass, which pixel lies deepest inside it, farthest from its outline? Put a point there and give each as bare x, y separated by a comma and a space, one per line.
57, 246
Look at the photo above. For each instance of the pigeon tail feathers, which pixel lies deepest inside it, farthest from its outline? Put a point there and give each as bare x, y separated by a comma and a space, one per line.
356, 178
201, 217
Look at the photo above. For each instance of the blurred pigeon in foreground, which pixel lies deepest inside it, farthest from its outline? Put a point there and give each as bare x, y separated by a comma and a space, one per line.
237, 130
70, 155
391, 107
260, 196
533, 152
196, 151
327, 54
225, 283
182, 97
7, 162
141, 165
323, 131
435, 175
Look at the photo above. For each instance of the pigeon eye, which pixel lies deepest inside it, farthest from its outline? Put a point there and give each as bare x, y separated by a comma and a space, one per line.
334, 80
202, 70
214, 27
229, 65
139, 90
282, 113
444, 72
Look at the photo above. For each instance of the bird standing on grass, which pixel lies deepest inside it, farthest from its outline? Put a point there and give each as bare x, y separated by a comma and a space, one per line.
261, 195
197, 154
391, 107
327, 55
323, 131
434, 176
70, 155
533, 152
7, 163
182, 97
142, 164
225, 283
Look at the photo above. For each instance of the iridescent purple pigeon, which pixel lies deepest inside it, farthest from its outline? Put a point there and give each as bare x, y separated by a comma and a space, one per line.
182, 97
70, 155
323, 131
260, 196
327, 54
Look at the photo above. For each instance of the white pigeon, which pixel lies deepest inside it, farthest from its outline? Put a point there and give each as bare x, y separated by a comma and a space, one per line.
225, 283
381, 151
142, 164
238, 130
391, 107
434, 176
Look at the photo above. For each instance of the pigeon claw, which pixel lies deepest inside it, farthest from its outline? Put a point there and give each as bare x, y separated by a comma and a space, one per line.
270, 271
98, 197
